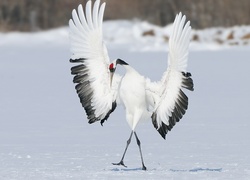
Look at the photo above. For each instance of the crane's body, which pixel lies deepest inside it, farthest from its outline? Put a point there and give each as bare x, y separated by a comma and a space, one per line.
100, 89
134, 97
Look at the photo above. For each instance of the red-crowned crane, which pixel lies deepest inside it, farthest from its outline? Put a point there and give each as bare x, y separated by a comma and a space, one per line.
100, 89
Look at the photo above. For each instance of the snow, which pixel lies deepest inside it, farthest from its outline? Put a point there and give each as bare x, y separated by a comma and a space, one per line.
44, 133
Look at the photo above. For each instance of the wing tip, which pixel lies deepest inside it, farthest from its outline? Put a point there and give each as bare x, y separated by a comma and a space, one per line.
162, 128
92, 118
110, 111
80, 7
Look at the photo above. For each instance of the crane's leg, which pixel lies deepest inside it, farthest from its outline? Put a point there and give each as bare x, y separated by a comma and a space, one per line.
139, 144
128, 142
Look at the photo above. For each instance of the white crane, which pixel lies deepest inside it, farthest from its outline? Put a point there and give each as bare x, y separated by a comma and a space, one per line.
100, 89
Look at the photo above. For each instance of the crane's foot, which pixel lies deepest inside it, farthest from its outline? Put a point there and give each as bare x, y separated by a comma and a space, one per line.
144, 167
121, 163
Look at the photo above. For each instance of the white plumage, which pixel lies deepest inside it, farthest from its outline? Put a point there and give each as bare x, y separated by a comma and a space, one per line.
99, 88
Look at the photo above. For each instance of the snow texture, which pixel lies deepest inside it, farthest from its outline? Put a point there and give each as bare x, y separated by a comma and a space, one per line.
44, 132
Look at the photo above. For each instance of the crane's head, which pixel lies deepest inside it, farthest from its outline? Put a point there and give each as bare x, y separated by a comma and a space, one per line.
112, 68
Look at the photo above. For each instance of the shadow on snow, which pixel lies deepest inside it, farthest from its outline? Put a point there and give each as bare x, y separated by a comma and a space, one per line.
173, 170
198, 170
127, 169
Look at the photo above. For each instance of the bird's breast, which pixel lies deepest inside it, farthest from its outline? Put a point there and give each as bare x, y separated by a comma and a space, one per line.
132, 90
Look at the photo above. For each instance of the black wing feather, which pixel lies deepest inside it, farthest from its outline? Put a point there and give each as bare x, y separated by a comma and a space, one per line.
181, 106
85, 91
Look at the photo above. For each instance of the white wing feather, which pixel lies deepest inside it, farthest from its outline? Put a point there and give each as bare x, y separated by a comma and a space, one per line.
167, 98
92, 74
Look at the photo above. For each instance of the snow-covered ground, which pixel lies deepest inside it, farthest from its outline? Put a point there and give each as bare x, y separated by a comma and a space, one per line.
44, 133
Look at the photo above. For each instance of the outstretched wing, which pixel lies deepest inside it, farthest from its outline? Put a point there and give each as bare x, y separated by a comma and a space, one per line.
169, 101
91, 75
